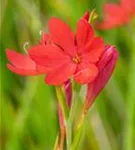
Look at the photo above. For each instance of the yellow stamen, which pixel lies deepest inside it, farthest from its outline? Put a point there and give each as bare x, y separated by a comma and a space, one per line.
76, 59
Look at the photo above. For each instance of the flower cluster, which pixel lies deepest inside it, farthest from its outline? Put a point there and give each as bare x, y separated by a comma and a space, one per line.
62, 54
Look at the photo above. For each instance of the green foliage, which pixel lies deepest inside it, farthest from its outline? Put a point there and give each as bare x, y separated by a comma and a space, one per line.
29, 119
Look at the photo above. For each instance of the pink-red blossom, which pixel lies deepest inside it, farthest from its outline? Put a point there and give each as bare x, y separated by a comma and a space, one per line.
117, 14
69, 55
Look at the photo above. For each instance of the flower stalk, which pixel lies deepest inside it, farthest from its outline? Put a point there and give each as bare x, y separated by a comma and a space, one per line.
56, 145
62, 102
65, 111
62, 138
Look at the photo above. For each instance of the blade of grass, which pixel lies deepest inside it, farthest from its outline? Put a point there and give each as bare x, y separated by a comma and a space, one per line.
18, 127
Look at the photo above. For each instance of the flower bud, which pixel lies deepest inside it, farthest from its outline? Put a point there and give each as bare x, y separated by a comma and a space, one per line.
106, 66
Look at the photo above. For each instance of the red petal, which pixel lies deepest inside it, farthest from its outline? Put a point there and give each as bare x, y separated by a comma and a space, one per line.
23, 64
86, 16
93, 50
114, 15
128, 5
112, 8
42, 69
86, 73
84, 34
62, 35
61, 74
24, 72
48, 56
19, 60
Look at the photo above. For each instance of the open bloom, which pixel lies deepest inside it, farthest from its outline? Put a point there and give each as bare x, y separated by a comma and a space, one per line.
117, 14
106, 66
69, 55
62, 54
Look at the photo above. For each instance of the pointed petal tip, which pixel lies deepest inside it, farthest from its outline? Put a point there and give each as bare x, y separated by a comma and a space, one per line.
12, 68
23, 71
110, 54
86, 16
111, 49
84, 33
62, 35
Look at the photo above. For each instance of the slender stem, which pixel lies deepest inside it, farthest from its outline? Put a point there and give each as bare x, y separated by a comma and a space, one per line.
68, 134
73, 106
56, 145
78, 135
62, 102
72, 113
62, 128
70, 122
65, 111
62, 137
83, 115
79, 130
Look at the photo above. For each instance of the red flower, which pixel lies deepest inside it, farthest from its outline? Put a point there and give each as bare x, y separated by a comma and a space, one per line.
23, 64
106, 66
117, 14
61, 54
69, 55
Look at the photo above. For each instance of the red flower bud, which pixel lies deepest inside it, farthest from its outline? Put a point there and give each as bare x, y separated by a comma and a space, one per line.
106, 66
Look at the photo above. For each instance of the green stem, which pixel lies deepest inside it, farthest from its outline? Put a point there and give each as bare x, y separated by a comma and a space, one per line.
73, 106
78, 132
72, 113
56, 145
77, 138
68, 134
64, 107
62, 102
70, 122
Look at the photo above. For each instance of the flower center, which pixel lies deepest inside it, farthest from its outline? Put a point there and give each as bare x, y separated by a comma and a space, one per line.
76, 59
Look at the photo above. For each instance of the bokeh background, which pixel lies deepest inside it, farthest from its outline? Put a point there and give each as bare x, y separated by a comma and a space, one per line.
29, 119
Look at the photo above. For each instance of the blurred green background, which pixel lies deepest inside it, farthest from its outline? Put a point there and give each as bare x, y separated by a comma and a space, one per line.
29, 119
